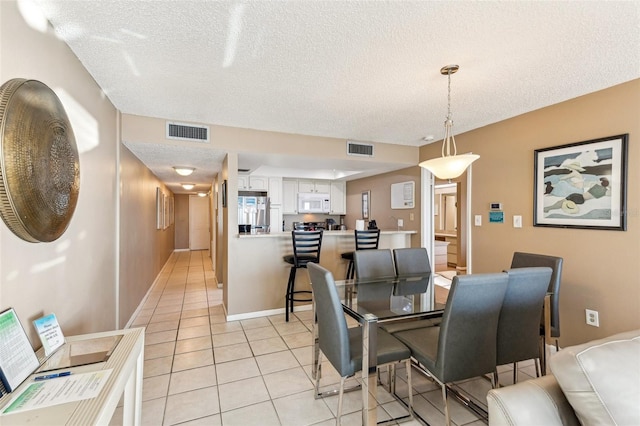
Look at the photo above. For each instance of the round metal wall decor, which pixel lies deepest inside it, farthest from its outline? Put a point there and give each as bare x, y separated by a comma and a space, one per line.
39, 162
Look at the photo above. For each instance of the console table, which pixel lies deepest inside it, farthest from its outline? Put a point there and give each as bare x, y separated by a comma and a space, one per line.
126, 379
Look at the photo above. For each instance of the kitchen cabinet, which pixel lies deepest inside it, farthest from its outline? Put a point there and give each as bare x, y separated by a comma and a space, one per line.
275, 190
289, 196
338, 195
275, 218
320, 186
253, 183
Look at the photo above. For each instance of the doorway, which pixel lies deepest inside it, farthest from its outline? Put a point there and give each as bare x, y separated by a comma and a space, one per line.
199, 235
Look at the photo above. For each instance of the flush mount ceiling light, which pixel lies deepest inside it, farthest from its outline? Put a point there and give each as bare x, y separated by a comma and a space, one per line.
183, 170
202, 194
450, 165
188, 186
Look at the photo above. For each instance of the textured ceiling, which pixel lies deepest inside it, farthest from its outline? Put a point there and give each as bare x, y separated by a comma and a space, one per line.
367, 70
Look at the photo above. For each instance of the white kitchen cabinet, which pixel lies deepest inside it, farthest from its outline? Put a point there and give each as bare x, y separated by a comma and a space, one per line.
275, 218
319, 186
253, 183
275, 190
289, 196
338, 196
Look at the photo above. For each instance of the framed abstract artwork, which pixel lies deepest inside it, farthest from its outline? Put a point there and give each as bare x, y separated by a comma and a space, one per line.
582, 184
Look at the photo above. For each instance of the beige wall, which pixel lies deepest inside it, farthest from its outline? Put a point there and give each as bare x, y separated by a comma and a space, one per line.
380, 203
601, 267
75, 276
143, 248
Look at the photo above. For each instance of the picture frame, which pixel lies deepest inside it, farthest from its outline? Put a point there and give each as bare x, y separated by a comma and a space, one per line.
366, 204
224, 193
582, 184
159, 208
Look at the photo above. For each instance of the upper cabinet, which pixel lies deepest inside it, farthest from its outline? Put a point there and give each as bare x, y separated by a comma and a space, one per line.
289, 196
338, 195
253, 183
275, 190
320, 186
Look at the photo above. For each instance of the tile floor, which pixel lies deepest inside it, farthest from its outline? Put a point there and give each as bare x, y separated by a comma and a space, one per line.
202, 370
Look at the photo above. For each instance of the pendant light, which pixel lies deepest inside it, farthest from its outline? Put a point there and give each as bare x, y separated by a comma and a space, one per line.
450, 165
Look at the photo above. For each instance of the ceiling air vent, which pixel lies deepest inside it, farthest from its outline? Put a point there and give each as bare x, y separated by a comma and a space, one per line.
187, 132
356, 148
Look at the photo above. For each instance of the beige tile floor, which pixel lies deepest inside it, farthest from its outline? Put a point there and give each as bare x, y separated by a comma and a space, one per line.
200, 369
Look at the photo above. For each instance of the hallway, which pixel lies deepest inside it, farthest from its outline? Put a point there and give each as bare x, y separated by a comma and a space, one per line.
201, 370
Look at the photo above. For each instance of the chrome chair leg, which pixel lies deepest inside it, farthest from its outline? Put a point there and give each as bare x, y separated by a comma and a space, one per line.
515, 373
446, 404
496, 378
339, 413
536, 362
316, 394
409, 386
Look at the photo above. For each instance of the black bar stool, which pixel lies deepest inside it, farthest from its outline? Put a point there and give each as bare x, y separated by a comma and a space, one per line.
306, 249
365, 240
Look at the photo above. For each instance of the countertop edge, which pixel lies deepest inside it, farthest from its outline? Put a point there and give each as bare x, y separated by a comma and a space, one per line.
347, 233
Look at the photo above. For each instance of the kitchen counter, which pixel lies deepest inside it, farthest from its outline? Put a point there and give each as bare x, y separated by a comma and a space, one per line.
347, 233
258, 281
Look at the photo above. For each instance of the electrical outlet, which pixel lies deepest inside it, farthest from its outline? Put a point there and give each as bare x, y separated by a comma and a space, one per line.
400, 223
478, 220
592, 318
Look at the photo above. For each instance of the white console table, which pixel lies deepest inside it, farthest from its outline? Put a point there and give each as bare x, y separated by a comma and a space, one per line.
126, 361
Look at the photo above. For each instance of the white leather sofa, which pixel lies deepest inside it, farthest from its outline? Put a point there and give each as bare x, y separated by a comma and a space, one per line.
596, 383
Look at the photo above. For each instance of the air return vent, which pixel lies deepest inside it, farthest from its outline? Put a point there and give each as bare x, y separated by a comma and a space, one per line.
356, 148
187, 132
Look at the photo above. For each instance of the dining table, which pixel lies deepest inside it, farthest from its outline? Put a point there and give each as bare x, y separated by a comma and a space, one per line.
374, 302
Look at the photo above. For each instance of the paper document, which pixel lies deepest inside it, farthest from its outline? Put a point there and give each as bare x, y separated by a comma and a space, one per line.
60, 390
50, 333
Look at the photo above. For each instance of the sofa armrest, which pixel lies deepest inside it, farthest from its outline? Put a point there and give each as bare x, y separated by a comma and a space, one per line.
533, 402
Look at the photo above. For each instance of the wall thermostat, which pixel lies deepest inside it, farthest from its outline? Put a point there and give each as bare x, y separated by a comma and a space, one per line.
495, 206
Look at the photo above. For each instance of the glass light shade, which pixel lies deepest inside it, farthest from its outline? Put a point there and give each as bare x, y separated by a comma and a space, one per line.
449, 167
202, 194
188, 186
183, 170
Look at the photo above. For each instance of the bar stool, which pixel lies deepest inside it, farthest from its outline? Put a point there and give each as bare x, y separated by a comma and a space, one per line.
306, 249
365, 240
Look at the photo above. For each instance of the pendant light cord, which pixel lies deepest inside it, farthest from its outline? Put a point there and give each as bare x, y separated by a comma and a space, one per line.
449, 139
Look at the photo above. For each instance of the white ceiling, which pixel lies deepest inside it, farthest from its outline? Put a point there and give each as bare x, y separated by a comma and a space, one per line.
366, 70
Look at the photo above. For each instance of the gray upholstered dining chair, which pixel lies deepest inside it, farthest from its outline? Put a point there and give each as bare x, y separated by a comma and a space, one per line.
527, 260
341, 345
464, 345
370, 264
519, 323
366, 239
409, 261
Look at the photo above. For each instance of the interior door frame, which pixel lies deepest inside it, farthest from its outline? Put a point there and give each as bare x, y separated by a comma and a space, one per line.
428, 221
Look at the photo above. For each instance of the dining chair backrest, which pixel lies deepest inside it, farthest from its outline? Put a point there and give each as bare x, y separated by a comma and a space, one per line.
526, 260
367, 239
306, 247
519, 324
373, 264
413, 261
333, 334
467, 339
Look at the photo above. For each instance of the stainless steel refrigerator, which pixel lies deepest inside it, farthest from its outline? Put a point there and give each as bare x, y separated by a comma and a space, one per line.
253, 211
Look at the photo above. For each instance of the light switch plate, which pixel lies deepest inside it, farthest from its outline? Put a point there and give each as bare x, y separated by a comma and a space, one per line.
517, 221
478, 220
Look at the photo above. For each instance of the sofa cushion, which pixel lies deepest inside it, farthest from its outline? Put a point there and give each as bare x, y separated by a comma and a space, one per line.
601, 379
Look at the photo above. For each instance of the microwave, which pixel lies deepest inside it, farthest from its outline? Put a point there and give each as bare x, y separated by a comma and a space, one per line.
313, 202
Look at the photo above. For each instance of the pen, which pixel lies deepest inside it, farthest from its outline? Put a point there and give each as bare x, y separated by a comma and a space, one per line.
53, 376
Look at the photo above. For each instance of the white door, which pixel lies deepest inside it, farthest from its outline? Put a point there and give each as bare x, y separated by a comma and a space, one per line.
198, 223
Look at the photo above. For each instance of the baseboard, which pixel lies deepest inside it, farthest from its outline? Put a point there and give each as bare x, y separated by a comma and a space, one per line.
267, 313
